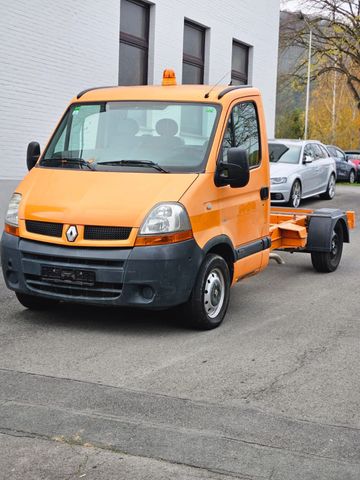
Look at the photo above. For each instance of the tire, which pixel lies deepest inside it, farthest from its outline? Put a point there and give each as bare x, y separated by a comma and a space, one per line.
326, 262
295, 195
33, 302
352, 176
209, 299
330, 189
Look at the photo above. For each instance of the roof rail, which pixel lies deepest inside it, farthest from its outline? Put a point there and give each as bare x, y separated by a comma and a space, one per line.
230, 89
79, 95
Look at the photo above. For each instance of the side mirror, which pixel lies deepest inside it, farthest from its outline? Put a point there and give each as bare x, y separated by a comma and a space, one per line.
235, 172
32, 155
307, 159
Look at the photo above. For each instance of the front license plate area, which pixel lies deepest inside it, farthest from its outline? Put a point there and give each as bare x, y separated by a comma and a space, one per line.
72, 276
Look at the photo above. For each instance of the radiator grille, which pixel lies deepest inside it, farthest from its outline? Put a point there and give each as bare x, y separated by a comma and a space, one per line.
92, 232
44, 228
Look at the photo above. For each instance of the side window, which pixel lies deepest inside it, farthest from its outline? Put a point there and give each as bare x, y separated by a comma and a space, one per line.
243, 132
324, 152
308, 151
340, 155
317, 151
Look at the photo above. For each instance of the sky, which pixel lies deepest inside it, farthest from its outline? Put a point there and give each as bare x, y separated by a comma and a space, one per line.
292, 5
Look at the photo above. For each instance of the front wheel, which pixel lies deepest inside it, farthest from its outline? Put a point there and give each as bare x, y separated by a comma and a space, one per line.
327, 262
209, 300
295, 195
330, 190
352, 176
33, 302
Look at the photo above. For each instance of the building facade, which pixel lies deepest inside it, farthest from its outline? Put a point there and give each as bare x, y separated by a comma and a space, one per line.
49, 51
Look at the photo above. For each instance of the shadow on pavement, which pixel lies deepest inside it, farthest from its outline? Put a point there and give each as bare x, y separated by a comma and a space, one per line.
106, 319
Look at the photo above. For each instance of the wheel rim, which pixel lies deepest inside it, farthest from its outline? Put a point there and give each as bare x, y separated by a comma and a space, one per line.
352, 177
214, 293
332, 186
296, 195
334, 246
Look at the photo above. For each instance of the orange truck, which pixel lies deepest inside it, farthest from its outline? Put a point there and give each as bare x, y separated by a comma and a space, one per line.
155, 197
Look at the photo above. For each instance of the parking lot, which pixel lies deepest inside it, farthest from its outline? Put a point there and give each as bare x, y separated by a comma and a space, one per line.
272, 394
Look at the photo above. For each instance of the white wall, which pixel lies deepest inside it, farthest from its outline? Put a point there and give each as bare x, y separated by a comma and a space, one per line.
50, 50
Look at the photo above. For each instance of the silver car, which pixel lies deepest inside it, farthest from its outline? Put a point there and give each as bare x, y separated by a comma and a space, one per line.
300, 169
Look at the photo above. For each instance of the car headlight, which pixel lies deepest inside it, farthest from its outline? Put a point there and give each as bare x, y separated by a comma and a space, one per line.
278, 180
165, 218
12, 214
165, 223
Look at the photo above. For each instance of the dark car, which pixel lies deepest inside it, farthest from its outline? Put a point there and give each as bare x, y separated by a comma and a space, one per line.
354, 157
346, 170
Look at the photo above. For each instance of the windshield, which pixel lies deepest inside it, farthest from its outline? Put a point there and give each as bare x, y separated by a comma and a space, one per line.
281, 153
156, 136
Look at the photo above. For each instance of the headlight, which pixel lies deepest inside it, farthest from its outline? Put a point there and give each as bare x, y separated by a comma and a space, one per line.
12, 214
277, 180
165, 218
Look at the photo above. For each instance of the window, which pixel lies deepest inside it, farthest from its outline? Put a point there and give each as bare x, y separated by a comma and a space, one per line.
317, 151
309, 152
134, 43
243, 132
194, 54
114, 136
240, 61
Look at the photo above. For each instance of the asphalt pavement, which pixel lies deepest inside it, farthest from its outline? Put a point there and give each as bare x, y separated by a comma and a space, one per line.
111, 394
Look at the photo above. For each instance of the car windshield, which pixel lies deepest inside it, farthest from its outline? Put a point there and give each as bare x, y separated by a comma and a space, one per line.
156, 136
282, 153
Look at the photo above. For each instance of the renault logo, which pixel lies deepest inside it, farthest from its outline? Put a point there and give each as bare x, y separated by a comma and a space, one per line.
71, 233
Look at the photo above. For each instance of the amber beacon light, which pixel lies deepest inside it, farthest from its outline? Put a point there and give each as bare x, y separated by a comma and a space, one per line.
169, 78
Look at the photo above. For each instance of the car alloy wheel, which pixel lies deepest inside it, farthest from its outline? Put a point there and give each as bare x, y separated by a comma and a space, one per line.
295, 195
332, 186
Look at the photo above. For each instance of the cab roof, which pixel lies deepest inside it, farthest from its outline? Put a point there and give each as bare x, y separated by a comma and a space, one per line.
194, 93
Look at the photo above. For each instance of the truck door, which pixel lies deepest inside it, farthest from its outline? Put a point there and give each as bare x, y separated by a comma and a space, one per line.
245, 211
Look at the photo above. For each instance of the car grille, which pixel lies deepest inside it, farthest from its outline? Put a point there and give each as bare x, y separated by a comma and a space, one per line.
109, 270
44, 228
92, 232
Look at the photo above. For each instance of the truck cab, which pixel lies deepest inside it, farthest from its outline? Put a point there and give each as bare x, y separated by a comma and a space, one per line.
149, 196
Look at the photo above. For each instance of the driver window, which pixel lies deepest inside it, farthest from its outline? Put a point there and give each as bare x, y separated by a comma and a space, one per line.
243, 132
308, 151
317, 151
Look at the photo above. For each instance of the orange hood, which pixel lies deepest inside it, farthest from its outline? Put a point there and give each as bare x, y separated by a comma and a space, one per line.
97, 198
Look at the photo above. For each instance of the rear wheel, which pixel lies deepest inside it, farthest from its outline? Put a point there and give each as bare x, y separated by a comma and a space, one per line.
331, 187
209, 300
352, 176
35, 303
327, 262
295, 195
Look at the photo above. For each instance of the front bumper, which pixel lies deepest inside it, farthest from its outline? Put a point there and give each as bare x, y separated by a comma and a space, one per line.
150, 277
280, 193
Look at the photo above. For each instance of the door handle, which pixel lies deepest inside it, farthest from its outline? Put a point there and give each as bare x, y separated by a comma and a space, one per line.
264, 193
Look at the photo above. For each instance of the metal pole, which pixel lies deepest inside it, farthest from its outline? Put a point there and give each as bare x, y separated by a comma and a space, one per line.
308, 88
333, 111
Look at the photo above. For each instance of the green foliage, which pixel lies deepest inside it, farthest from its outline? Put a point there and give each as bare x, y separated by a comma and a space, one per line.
290, 124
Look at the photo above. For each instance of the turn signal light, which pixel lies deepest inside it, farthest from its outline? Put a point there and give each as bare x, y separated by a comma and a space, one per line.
169, 78
11, 229
147, 240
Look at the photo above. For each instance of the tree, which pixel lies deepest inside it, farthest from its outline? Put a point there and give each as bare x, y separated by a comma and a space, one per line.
335, 26
334, 117
290, 124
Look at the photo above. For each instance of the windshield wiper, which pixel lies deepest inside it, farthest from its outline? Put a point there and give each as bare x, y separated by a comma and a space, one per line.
136, 163
70, 160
